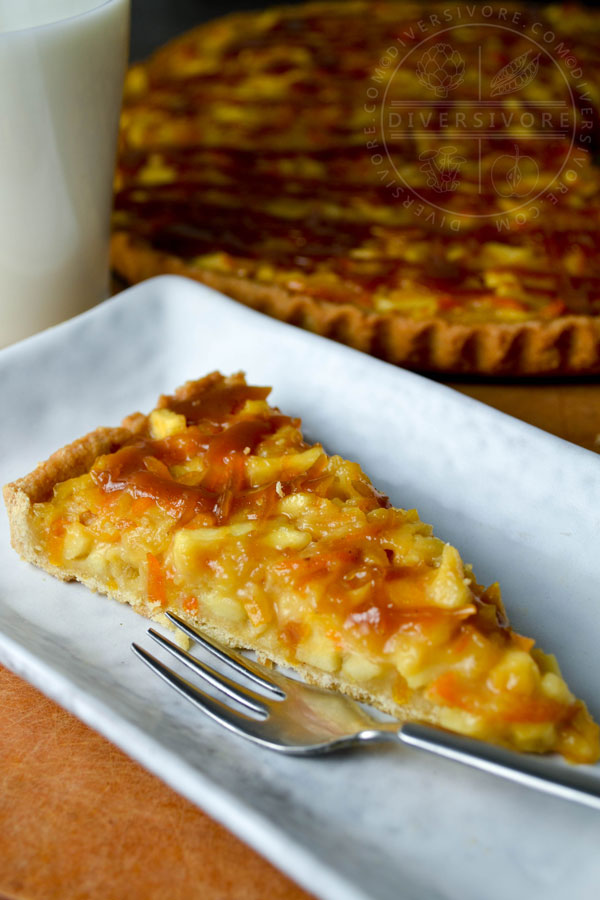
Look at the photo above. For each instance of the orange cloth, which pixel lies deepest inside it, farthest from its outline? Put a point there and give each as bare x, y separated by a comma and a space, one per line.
79, 819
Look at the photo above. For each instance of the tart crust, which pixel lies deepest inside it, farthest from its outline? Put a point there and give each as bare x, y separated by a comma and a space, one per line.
569, 344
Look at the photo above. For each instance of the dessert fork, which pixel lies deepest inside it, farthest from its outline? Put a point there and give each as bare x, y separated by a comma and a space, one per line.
291, 717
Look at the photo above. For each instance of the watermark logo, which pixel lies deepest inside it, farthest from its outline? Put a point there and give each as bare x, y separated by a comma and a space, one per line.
494, 108
515, 75
514, 175
442, 168
441, 69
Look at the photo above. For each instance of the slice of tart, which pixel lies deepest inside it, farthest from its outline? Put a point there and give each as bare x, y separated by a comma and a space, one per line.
215, 507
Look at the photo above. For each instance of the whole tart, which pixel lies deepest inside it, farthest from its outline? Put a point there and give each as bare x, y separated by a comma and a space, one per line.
246, 162
214, 506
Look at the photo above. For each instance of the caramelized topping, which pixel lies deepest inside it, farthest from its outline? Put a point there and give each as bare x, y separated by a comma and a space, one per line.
216, 402
141, 468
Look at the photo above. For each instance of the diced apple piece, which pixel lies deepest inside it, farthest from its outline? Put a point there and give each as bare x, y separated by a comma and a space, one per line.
77, 541
554, 687
97, 562
408, 659
156, 172
318, 651
287, 538
70, 488
265, 469
515, 672
358, 668
461, 721
214, 535
190, 541
295, 505
534, 737
410, 548
165, 422
495, 253
255, 408
224, 606
449, 588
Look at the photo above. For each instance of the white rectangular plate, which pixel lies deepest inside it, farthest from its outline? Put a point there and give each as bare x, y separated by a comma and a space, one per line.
523, 507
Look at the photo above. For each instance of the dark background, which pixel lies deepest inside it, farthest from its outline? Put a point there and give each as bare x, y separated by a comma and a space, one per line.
155, 21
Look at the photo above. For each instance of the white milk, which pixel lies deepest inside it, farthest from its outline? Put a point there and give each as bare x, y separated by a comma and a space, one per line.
62, 64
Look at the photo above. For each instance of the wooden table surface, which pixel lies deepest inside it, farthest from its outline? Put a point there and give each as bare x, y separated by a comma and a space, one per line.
78, 819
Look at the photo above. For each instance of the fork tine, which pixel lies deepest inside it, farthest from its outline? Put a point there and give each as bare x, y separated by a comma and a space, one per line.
244, 666
230, 718
231, 688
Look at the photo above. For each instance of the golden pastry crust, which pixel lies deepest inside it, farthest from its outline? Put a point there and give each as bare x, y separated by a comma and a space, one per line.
566, 345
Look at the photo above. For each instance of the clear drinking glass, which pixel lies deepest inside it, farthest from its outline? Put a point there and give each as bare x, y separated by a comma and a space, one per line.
62, 64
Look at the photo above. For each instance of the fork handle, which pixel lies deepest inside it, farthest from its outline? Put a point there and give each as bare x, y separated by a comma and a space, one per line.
570, 784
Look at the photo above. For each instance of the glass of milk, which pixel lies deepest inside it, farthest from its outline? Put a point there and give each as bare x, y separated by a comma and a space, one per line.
62, 64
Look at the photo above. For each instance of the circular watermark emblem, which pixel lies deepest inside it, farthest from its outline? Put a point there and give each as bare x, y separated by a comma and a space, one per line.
478, 112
